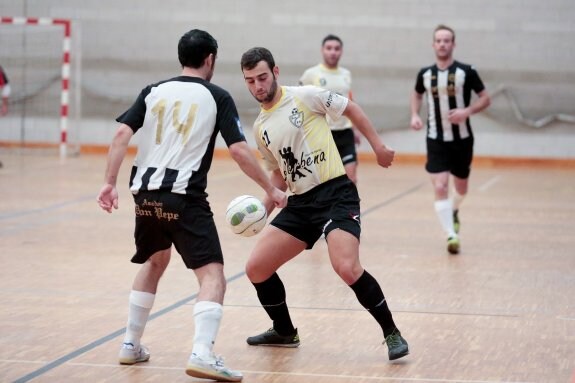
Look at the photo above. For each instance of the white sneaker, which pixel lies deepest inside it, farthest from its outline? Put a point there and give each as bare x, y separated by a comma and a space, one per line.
130, 355
212, 368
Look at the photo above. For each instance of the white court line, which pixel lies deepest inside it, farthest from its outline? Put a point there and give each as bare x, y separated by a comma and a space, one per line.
331, 376
565, 318
492, 181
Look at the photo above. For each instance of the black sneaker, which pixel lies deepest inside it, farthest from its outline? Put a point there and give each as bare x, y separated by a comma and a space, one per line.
272, 338
397, 346
456, 223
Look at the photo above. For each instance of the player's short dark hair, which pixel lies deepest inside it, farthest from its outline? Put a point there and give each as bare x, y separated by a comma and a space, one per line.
331, 37
195, 46
443, 27
252, 57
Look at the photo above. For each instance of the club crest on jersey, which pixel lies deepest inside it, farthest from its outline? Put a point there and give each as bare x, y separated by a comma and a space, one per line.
296, 118
322, 82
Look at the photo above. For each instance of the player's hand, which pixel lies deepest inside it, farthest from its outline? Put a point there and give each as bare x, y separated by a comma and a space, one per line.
276, 198
356, 137
458, 116
384, 156
416, 123
108, 198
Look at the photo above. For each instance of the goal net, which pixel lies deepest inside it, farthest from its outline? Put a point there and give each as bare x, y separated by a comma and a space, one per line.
43, 107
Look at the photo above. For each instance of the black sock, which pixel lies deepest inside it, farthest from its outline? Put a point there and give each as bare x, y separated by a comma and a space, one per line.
369, 294
272, 295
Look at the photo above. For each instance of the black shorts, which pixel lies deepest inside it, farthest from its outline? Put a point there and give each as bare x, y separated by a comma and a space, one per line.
345, 142
164, 218
453, 156
331, 205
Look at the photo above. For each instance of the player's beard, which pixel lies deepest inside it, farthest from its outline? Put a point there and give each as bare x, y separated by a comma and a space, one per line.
332, 61
270, 93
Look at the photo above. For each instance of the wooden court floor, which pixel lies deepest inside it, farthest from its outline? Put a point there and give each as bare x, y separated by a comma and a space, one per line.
501, 311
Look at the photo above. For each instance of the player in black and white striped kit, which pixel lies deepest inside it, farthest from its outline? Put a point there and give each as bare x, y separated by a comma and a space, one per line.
177, 122
449, 85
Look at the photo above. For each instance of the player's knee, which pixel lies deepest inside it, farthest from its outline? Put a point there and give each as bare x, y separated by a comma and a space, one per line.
441, 188
258, 271
348, 271
159, 261
461, 188
252, 271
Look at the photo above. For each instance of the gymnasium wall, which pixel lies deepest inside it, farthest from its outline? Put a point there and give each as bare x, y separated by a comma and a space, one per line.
524, 50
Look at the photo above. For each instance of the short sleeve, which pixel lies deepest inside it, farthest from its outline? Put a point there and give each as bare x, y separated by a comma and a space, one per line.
419, 86
323, 101
134, 117
475, 81
228, 120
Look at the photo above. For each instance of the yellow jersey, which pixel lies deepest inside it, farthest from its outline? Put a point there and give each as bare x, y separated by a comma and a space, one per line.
294, 136
337, 80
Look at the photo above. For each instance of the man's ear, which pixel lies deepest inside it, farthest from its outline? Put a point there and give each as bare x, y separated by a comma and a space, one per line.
209, 61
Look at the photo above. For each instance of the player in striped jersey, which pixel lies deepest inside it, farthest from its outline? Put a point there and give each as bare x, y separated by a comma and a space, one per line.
293, 135
449, 85
329, 75
177, 122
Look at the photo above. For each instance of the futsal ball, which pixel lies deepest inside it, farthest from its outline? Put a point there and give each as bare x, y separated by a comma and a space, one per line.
246, 215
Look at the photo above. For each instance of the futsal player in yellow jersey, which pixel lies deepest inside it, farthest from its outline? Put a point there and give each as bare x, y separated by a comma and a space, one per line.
293, 135
329, 75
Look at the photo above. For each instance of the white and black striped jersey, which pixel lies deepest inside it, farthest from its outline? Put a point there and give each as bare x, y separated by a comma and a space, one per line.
177, 121
448, 89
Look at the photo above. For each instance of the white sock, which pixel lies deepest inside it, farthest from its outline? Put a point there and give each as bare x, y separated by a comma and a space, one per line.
444, 210
139, 309
207, 317
457, 200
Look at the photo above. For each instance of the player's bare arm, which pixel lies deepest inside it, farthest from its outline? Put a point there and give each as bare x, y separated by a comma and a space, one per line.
458, 116
279, 182
416, 101
242, 154
108, 196
360, 120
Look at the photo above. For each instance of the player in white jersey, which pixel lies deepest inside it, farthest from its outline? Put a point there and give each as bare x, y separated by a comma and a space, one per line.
293, 135
329, 75
178, 121
448, 84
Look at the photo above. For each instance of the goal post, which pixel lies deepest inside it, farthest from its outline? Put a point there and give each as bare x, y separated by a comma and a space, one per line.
36, 55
